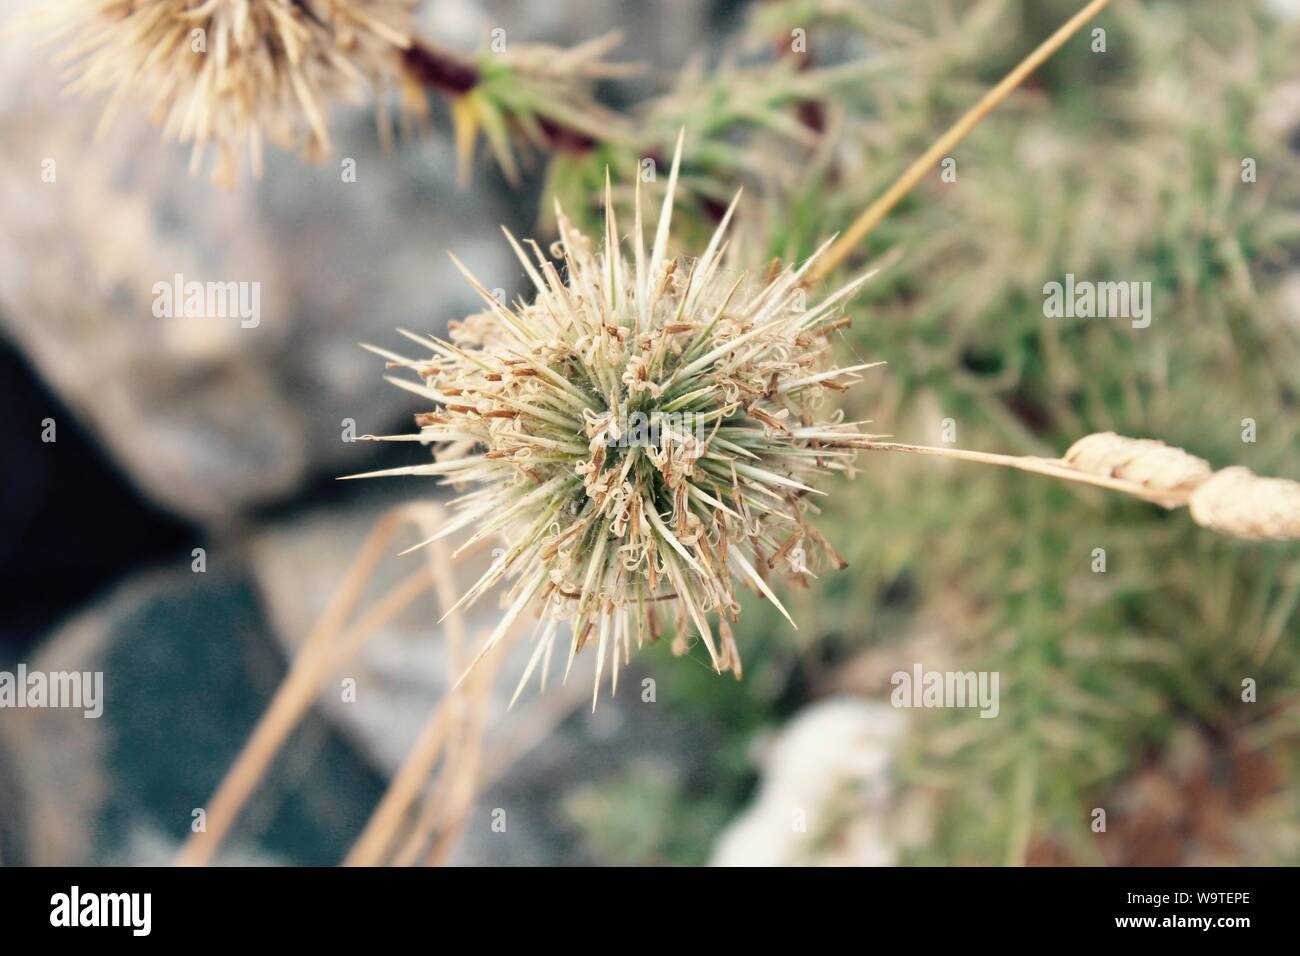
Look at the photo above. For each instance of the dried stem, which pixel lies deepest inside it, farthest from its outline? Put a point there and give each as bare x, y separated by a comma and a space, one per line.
1233, 500
1041, 466
446, 729
891, 197
402, 792
326, 648
454, 730
449, 801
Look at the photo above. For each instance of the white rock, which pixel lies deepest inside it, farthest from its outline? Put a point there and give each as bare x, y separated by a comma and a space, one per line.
826, 792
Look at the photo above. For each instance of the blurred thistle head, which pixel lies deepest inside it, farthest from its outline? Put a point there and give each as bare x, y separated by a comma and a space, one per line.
233, 73
643, 434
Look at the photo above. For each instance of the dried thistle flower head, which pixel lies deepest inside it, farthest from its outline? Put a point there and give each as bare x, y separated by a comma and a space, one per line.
232, 72
643, 434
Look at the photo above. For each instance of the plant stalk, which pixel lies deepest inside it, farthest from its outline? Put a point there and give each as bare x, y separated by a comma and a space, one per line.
891, 197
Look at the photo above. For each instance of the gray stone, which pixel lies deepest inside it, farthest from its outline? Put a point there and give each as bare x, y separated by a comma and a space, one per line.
187, 669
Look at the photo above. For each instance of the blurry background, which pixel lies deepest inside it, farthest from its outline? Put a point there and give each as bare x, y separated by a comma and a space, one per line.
1119, 690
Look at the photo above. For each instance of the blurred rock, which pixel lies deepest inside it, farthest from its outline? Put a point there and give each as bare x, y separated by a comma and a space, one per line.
52, 494
827, 793
188, 667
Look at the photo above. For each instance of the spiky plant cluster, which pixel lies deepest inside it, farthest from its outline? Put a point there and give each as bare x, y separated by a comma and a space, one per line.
233, 73
643, 433
523, 98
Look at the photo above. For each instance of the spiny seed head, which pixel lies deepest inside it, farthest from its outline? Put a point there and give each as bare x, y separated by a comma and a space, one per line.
644, 434
232, 72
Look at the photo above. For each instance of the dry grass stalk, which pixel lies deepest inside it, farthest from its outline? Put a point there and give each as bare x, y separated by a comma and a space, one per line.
1233, 501
445, 810
453, 731
891, 197
329, 646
